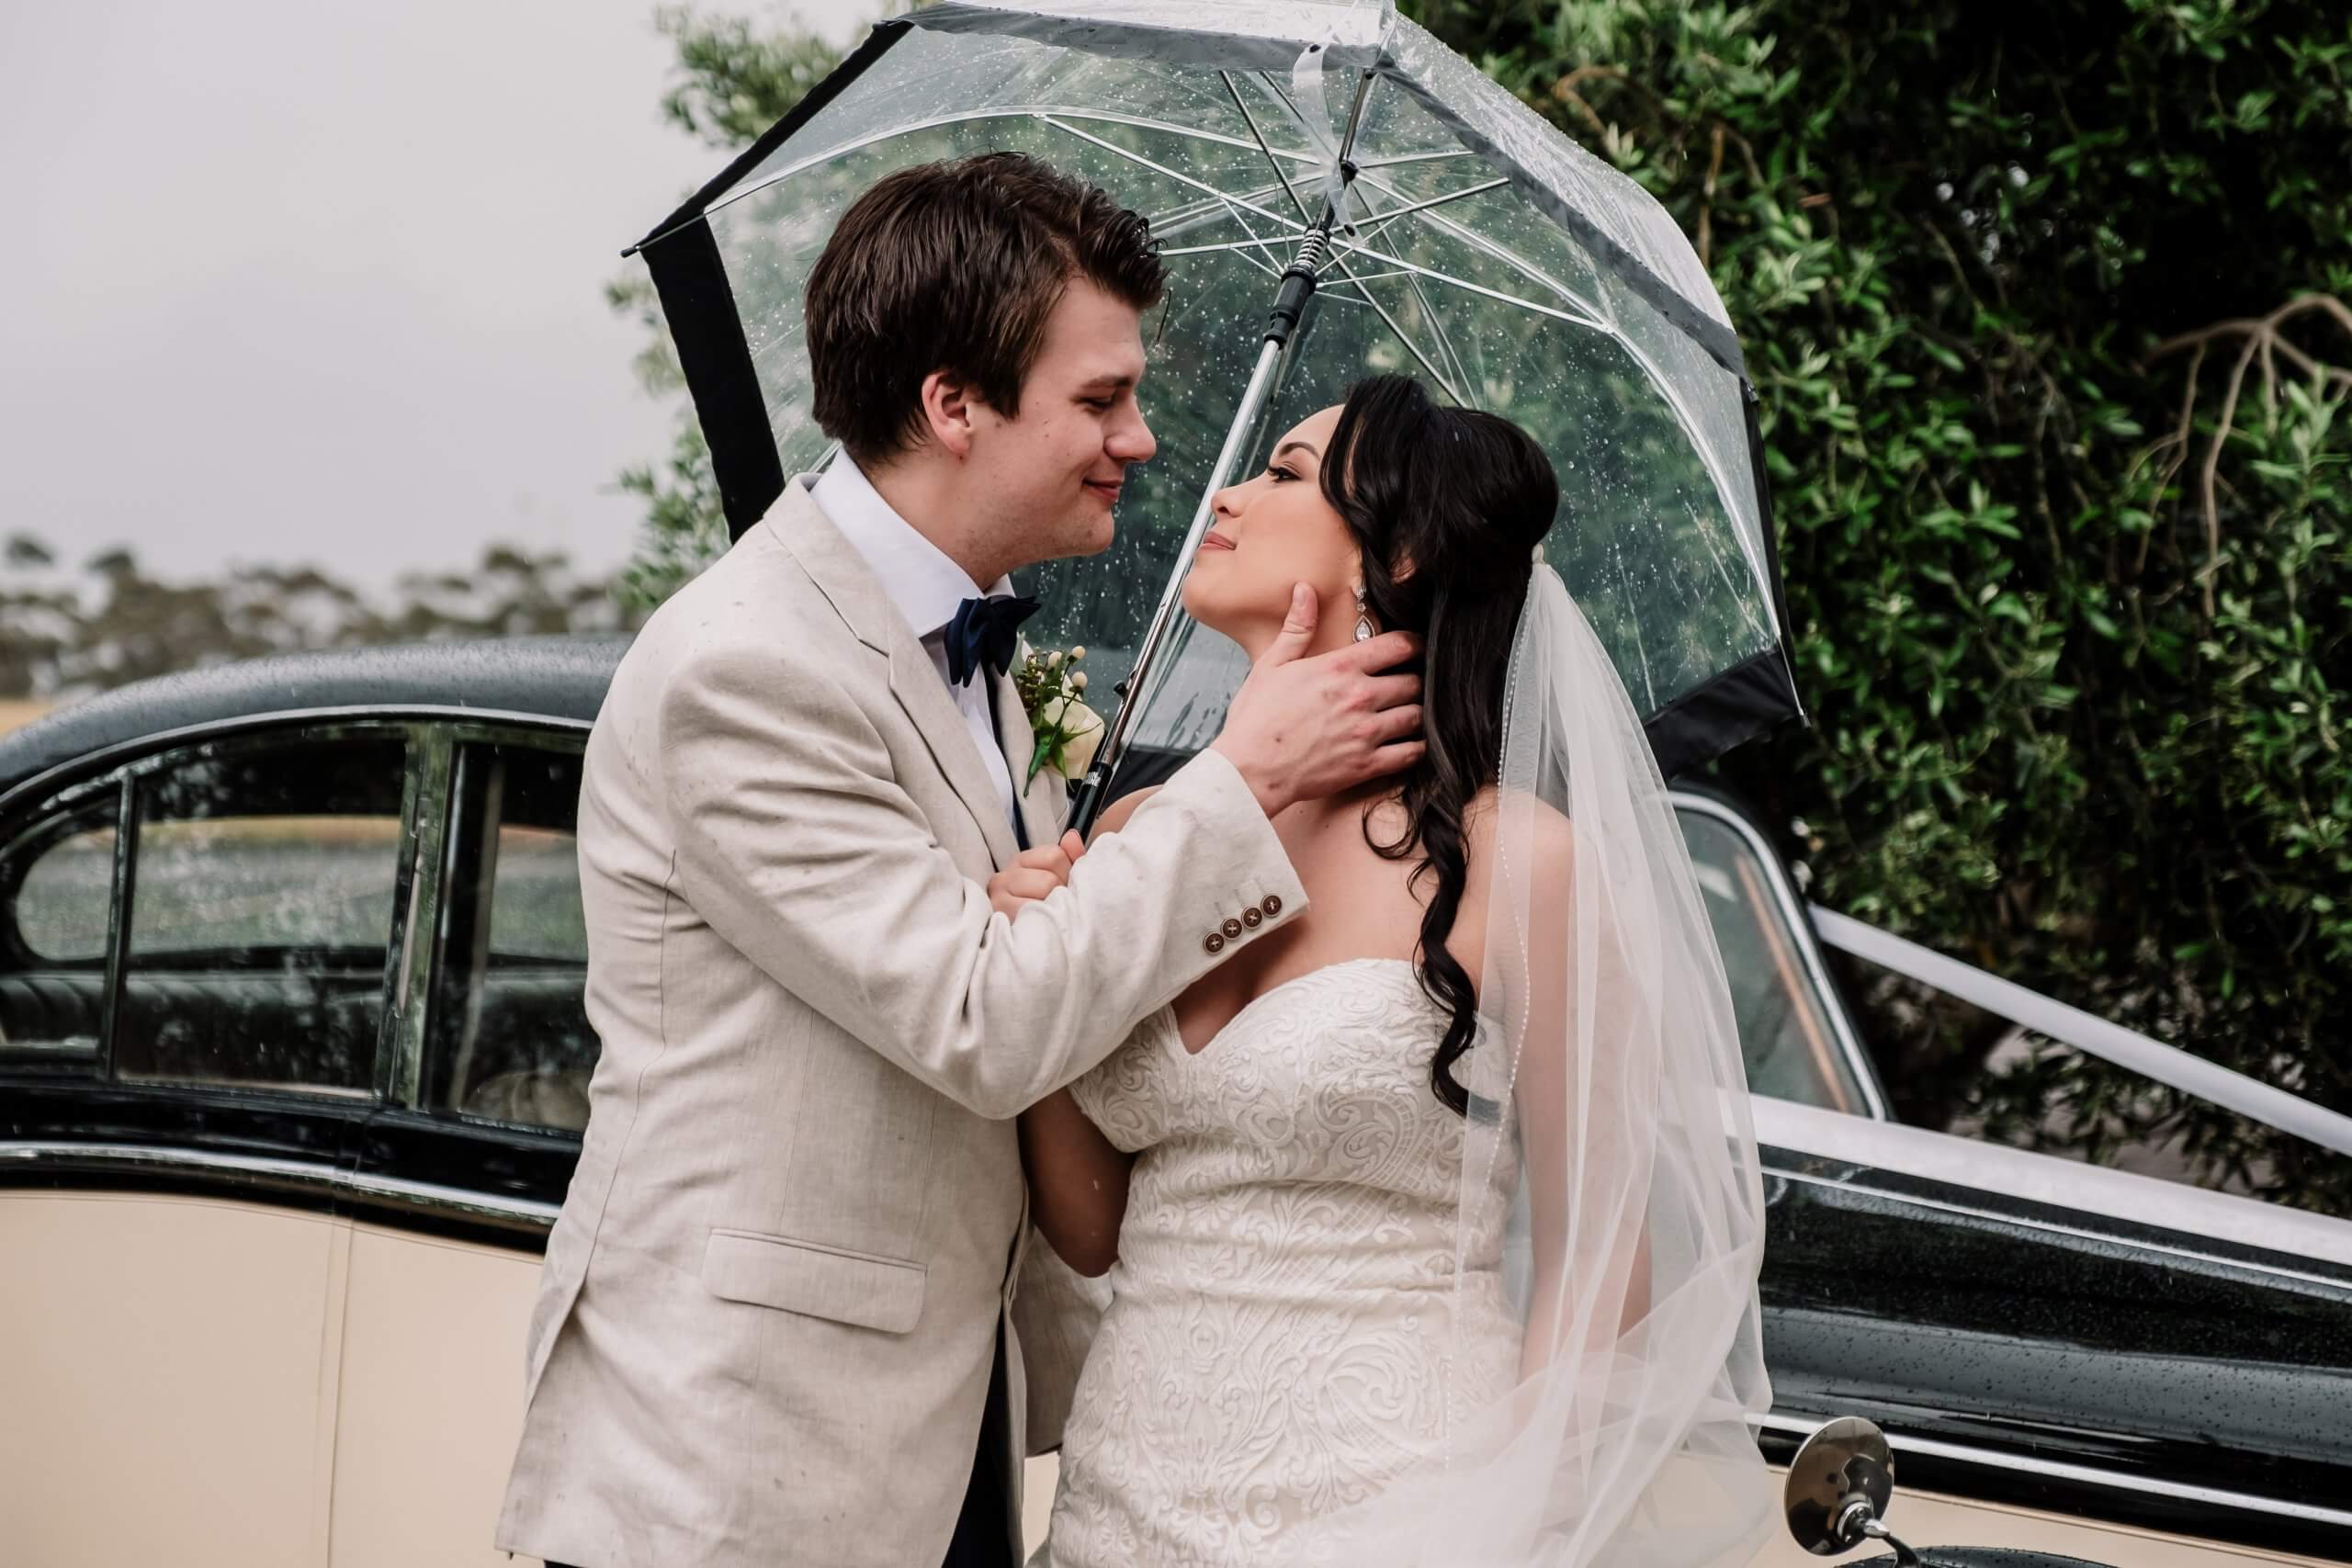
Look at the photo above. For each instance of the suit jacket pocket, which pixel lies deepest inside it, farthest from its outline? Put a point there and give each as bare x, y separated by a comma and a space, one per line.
777, 1271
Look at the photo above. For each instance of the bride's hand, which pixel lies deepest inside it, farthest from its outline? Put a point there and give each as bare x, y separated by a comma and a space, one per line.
1033, 875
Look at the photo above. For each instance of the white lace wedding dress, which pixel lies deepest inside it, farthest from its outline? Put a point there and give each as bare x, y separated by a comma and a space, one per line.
1279, 1340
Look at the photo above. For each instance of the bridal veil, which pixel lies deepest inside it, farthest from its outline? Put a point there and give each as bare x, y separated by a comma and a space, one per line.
1611, 1191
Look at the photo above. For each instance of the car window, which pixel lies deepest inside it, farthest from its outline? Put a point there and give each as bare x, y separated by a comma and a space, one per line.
508, 1037
261, 917
1786, 1029
57, 877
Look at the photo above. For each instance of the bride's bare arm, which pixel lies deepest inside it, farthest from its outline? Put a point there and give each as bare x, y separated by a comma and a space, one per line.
1077, 1179
1610, 1279
1078, 1183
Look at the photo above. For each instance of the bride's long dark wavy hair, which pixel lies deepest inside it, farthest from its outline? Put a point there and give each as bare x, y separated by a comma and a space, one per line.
1447, 505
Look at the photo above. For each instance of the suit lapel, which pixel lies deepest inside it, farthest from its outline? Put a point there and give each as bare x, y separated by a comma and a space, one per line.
842, 574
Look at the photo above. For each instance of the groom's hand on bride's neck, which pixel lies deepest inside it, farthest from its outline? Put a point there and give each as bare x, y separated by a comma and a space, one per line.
1301, 728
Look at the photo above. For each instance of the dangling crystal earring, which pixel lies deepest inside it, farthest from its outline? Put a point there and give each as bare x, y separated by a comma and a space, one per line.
1363, 617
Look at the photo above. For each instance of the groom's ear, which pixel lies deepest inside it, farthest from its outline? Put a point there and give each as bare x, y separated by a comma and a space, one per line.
947, 408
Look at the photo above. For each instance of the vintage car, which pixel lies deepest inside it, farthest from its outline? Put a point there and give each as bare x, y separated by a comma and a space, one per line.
293, 1063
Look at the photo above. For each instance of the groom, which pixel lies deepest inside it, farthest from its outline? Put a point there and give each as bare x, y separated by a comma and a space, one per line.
772, 1327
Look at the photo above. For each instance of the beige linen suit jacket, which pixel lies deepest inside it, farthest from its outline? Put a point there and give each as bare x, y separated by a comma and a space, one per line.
768, 1311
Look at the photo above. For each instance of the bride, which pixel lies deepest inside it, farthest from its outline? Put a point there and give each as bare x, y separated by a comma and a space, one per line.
1432, 1223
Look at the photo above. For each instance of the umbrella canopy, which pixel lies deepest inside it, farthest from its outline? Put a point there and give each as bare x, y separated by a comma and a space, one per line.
1471, 244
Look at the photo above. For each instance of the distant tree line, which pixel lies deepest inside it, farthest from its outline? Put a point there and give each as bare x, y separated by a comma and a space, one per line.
67, 631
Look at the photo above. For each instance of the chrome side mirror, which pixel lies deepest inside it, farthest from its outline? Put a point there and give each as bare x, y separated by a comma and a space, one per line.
1838, 1488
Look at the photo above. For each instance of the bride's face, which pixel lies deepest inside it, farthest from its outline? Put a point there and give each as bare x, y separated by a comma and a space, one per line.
1272, 532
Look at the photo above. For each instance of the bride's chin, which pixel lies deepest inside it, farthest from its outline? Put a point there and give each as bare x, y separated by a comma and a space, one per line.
1207, 611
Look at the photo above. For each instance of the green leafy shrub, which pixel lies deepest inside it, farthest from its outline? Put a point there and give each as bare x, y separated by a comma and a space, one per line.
2044, 306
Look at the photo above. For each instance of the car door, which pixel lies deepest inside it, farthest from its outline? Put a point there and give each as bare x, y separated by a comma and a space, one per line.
460, 1172
198, 949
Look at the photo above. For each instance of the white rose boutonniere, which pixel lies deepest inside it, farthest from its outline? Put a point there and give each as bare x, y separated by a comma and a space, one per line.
1053, 689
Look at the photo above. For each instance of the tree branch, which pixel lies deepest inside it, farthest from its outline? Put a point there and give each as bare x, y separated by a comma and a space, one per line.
2263, 344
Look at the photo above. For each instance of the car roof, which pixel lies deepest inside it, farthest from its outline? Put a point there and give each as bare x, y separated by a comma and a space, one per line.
550, 677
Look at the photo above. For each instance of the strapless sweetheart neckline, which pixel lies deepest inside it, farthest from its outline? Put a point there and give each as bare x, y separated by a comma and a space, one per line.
1166, 1016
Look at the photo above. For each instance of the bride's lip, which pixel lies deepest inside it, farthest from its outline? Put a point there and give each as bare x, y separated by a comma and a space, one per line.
1213, 540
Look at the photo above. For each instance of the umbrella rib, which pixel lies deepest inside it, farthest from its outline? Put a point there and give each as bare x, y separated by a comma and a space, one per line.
935, 122
1478, 241
1384, 257
1415, 158
1406, 338
1375, 221
1048, 118
1253, 243
1437, 328
1251, 121
1176, 219
1380, 221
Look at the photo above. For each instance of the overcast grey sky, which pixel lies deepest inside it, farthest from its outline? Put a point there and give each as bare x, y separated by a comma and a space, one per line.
292, 281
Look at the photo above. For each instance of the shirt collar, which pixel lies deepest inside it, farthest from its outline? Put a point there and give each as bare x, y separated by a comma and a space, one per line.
922, 581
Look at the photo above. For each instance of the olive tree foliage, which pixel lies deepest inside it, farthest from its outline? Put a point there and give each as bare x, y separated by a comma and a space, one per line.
2046, 306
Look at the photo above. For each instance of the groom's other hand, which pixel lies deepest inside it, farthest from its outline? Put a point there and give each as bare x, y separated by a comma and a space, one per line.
1301, 727
1033, 875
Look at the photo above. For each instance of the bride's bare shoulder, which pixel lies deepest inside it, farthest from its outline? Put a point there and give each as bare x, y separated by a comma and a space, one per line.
1492, 810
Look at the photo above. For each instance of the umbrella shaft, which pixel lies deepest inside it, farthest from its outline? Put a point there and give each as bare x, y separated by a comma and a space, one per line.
1091, 794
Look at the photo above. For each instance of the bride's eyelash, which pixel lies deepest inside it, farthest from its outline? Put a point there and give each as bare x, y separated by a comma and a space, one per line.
1279, 472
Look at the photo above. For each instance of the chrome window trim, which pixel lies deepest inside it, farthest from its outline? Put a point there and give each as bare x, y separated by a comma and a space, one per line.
1966, 1165
2071, 1026
1793, 912
2049, 1227
264, 1171
424, 832
2081, 1474
130, 752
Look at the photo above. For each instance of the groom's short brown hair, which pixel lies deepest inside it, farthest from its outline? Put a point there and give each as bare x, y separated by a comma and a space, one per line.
954, 266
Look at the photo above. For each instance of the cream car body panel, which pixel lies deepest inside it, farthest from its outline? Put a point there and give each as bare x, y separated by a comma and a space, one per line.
235, 1385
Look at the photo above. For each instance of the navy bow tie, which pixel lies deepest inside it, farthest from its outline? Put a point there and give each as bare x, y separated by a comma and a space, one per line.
985, 631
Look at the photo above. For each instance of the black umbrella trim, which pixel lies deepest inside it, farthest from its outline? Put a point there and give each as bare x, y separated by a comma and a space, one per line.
1765, 526
708, 330
699, 304
877, 44
1752, 698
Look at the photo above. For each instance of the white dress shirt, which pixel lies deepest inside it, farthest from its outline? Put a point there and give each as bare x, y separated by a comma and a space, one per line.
925, 584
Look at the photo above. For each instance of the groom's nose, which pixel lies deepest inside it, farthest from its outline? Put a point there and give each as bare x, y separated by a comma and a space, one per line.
1130, 439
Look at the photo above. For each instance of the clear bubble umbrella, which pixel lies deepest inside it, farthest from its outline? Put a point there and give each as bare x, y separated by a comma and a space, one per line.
1336, 194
